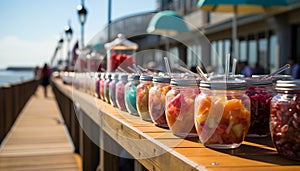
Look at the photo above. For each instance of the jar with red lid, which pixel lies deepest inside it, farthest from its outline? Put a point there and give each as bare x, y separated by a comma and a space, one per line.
112, 89
157, 100
142, 97
106, 87
285, 119
260, 93
120, 91
180, 106
222, 113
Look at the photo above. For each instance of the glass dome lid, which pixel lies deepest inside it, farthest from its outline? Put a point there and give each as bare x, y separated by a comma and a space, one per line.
121, 43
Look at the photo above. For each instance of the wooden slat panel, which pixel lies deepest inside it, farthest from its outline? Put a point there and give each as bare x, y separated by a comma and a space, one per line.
39, 140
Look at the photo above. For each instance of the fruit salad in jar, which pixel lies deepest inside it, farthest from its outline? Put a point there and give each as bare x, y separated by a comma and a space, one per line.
222, 114
112, 89
157, 100
285, 119
106, 87
101, 86
142, 96
120, 92
180, 107
130, 94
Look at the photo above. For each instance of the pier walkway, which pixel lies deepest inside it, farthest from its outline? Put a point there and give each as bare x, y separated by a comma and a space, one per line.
39, 140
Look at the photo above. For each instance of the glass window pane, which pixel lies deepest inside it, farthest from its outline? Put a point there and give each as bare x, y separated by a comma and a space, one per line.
252, 53
263, 61
273, 53
243, 50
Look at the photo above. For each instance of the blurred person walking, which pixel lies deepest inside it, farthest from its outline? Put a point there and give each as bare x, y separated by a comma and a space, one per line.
45, 78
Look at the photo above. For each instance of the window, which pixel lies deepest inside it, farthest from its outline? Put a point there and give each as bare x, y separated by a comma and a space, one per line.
274, 53
252, 59
243, 50
262, 52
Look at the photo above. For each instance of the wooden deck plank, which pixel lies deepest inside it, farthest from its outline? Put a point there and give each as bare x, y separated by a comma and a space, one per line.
39, 140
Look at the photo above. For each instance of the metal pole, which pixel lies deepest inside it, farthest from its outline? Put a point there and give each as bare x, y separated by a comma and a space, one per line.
109, 20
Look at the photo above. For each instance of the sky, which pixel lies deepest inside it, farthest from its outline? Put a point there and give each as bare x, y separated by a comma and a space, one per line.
30, 29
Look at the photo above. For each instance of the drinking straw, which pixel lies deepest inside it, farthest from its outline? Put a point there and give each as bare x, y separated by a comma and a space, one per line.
187, 70
131, 69
168, 68
202, 75
226, 74
285, 67
144, 70
121, 69
234, 66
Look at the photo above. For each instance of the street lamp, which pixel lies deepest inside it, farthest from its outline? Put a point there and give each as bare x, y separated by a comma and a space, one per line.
82, 12
69, 34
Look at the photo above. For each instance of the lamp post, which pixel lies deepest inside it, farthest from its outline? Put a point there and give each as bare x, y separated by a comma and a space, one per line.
82, 13
69, 34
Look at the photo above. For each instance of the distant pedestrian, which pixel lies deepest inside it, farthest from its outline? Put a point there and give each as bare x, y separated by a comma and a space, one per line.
36, 72
295, 68
45, 78
245, 69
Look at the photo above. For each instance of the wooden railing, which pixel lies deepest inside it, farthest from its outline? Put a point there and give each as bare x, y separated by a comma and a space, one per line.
13, 98
116, 131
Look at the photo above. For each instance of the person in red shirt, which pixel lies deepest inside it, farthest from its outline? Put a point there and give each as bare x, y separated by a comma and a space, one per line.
45, 78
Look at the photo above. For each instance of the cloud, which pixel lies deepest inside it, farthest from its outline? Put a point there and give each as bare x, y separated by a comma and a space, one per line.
15, 51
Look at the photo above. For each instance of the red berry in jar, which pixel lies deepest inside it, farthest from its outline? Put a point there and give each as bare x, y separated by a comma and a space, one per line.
285, 119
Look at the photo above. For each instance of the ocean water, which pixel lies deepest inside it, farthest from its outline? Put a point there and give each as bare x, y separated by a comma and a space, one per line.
8, 77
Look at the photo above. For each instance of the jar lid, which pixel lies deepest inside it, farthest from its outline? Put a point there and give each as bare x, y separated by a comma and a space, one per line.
288, 85
133, 77
146, 78
185, 81
162, 79
115, 76
123, 76
258, 82
224, 85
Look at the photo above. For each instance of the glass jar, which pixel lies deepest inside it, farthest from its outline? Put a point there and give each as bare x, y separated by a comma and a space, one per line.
180, 106
112, 89
157, 100
120, 91
119, 51
260, 93
106, 87
102, 80
285, 119
130, 94
142, 97
222, 113
97, 85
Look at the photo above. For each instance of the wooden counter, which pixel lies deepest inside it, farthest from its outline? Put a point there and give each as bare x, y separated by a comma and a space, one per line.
158, 149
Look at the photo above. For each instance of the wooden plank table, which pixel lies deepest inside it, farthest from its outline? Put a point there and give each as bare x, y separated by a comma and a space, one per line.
158, 149
38, 140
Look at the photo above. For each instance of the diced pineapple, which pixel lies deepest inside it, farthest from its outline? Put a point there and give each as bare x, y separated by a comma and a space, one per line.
238, 130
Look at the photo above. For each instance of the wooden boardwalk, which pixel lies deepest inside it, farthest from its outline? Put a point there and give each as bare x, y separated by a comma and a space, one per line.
39, 140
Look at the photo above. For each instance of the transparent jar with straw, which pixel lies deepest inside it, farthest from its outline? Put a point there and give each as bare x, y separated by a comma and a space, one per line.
179, 107
120, 51
222, 113
130, 94
142, 97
